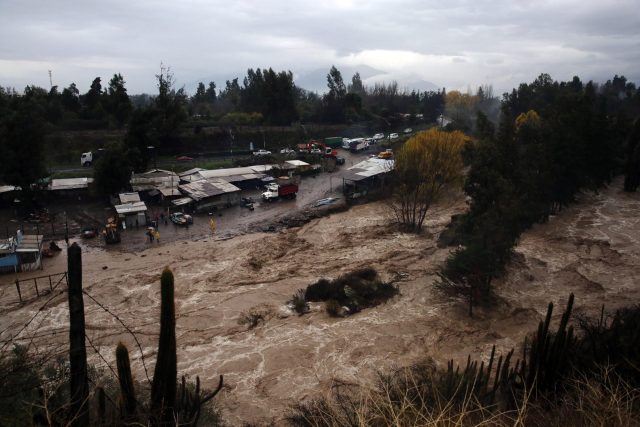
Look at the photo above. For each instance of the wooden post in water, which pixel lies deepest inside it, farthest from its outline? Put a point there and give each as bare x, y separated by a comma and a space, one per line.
18, 288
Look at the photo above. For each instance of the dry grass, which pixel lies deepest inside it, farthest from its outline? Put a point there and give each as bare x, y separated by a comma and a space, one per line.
411, 398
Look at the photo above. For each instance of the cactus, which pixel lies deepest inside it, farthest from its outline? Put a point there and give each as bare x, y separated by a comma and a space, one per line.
78, 384
190, 403
548, 356
127, 392
163, 390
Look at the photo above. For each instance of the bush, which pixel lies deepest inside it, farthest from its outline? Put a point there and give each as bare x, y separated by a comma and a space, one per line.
298, 302
333, 308
255, 315
356, 290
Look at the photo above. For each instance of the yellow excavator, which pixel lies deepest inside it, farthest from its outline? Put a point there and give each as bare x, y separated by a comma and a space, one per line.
111, 233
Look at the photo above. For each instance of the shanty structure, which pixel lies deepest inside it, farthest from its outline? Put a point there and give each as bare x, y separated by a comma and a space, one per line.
156, 183
244, 177
8, 193
365, 177
70, 187
21, 253
297, 165
129, 197
132, 214
211, 194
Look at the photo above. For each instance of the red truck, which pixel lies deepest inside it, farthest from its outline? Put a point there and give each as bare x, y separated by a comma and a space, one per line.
317, 147
277, 191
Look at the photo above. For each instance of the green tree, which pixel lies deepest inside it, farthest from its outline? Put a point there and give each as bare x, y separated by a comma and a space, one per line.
632, 163
138, 138
356, 85
22, 132
118, 102
200, 94
170, 107
71, 98
337, 89
210, 94
92, 102
334, 100
112, 171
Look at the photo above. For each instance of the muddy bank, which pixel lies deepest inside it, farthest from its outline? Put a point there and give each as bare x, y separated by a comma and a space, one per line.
590, 249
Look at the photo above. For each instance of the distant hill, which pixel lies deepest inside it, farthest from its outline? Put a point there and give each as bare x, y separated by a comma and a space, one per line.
316, 80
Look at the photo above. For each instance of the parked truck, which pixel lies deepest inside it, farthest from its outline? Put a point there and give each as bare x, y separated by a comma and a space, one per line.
317, 147
358, 144
283, 188
333, 141
87, 159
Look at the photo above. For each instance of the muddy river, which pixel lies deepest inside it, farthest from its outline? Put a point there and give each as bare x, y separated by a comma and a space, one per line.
591, 249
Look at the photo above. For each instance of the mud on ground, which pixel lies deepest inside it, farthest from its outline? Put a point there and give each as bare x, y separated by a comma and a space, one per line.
590, 249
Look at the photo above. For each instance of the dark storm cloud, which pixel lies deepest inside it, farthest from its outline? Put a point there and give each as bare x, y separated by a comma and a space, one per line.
453, 43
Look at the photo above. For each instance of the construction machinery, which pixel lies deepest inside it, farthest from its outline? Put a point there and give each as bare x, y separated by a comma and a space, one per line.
111, 233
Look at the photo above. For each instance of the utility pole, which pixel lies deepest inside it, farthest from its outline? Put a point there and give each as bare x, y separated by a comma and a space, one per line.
50, 81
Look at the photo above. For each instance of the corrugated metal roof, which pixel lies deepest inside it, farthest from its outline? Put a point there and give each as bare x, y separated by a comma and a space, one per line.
182, 201
8, 188
69, 183
368, 168
190, 172
169, 192
30, 243
8, 246
205, 188
129, 197
129, 208
297, 163
154, 179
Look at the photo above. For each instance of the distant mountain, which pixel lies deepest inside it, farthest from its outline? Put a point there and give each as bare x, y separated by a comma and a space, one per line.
316, 80
407, 82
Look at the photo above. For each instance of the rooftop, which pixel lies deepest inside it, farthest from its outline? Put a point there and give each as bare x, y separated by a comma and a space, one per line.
69, 184
129, 197
129, 208
205, 188
368, 168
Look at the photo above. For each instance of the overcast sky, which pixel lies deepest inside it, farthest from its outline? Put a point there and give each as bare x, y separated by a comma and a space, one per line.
453, 43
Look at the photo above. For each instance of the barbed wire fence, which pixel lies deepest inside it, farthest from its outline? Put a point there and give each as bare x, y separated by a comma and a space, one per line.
41, 350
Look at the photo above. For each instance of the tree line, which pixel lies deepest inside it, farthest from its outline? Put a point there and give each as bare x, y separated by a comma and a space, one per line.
553, 140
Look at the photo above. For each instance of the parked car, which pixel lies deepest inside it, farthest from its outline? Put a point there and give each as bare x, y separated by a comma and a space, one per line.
378, 136
89, 232
393, 136
247, 202
388, 154
316, 151
408, 130
180, 218
287, 151
261, 152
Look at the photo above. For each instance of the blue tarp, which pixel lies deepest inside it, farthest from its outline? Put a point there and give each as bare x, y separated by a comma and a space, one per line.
9, 260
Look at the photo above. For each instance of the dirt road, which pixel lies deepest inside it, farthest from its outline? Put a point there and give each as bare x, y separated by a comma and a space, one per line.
590, 249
